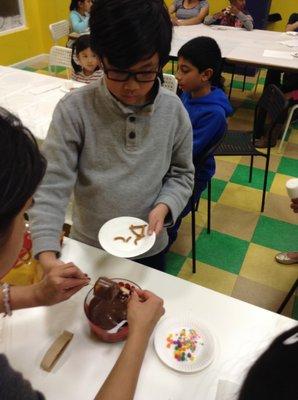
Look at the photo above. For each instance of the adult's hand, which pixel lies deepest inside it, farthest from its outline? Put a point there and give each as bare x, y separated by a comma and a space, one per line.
60, 283
143, 312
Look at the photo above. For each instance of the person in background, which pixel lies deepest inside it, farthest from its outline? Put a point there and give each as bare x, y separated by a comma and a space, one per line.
234, 15
289, 257
85, 62
188, 12
122, 143
198, 75
79, 15
274, 375
19, 177
288, 84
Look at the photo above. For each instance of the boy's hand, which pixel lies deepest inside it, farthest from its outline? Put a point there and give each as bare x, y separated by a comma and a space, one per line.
59, 284
156, 218
143, 312
234, 10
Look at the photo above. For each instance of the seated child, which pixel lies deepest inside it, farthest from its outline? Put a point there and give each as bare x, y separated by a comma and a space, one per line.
198, 74
79, 15
123, 144
234, 15
84, 61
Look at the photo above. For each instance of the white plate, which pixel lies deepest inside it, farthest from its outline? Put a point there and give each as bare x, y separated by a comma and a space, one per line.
205, 348
120, 227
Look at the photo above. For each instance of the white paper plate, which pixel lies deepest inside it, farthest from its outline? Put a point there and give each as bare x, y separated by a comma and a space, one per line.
205, 348
120, 227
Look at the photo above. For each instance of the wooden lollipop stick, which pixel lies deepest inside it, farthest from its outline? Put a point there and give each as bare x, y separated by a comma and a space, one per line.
54, 352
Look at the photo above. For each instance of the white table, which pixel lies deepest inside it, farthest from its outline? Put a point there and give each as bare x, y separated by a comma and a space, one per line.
242, 331
239, 45
32, 97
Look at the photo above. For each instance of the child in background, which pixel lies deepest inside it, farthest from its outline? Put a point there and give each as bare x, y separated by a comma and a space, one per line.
84, 61
123, 144
79, 15
234, 15
198, 75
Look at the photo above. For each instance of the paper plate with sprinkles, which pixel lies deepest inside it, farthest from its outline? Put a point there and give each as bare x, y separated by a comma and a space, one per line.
184, 344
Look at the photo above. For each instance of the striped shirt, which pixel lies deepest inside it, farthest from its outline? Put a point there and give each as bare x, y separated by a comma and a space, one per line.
81, 77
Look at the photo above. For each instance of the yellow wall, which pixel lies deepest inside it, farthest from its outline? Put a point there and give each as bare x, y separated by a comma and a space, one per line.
284, 7
35, 38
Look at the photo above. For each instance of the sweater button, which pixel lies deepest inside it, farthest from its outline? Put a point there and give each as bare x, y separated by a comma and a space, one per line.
132, 135
132, 119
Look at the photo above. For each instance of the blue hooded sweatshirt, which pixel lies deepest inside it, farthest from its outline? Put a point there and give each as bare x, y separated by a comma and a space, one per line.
208, 118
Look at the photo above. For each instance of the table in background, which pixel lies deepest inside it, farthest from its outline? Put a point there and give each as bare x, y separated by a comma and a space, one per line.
32, 97
243, 331
239, 45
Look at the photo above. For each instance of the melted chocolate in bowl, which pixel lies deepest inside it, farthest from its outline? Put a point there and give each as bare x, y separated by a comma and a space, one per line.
108, 305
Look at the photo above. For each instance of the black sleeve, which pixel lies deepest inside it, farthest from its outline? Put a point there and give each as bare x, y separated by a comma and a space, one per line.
293, 18
13, 386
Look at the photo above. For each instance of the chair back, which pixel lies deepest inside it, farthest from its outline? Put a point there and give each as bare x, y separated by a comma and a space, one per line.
60, 57
170, 82
59, 30
268, 111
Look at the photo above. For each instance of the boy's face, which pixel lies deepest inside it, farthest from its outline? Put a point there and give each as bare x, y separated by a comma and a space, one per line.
131, 91
189, 78
240, 4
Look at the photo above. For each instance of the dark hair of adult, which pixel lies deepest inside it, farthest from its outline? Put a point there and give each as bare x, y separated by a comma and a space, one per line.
74, 5
82, 43
128, 31
274, 375
203, 52
22, 167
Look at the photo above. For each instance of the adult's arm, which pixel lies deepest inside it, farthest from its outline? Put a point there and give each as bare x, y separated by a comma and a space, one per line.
211, 19
196, 20
142, 317
246, 20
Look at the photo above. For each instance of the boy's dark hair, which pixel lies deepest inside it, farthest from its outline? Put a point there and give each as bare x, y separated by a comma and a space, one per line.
128, 31
74, 5
22, 167
203, 52
274, 375
82, 43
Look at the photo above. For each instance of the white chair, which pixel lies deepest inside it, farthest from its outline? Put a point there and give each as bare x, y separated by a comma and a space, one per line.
289, 120
59, 30
170, 82
60, 57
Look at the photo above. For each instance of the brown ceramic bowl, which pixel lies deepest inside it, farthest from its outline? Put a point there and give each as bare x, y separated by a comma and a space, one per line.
101, 333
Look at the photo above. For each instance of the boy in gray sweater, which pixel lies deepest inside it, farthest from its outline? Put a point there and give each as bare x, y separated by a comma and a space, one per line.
123, 144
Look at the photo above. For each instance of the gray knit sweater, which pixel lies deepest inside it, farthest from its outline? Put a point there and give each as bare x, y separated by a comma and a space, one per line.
118, 160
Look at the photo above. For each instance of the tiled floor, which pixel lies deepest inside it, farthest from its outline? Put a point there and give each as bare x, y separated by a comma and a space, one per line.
237, 258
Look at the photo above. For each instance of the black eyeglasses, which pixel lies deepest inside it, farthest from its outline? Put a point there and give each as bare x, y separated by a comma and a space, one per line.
122, 76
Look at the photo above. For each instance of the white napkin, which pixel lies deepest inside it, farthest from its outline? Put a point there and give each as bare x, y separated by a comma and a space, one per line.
278, 54
227, 390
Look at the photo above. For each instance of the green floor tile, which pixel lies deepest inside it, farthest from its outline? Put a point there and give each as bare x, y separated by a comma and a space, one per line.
221, 251
174, 263
217, 187
241, 175
31, 69
249, 104
239, 85
288, 166
58, 69
276, 234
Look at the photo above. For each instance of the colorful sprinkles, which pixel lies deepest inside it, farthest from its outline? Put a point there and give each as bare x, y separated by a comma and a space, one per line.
184, 344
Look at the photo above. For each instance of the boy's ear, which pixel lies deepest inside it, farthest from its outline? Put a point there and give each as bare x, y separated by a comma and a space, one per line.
207, 74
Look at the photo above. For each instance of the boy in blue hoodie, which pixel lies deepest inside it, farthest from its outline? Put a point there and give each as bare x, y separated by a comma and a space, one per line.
198, 76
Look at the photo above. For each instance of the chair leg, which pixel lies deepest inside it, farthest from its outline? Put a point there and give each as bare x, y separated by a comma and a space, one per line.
251, 168
265, 181
232, 80
287, 298
244, 80
193, 234
289, 119
257, 81
209, 207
